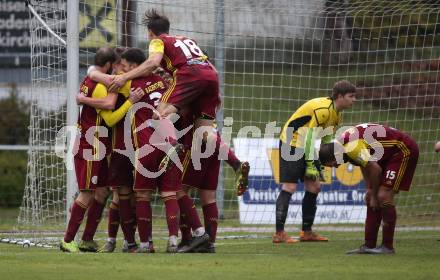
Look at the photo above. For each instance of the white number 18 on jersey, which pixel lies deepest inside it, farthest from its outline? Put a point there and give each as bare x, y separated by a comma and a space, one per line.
188, 48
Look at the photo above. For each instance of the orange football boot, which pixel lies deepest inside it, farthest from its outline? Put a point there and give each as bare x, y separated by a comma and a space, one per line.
282, 237
311, 236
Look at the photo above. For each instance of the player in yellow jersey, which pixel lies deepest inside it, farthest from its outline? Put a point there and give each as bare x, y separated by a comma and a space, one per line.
298, 160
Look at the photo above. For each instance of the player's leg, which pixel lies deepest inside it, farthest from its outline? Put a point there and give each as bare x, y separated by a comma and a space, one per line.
241, 169
94, 215
87, 176
231, 159
210, 216
242, 177
203, 99
389, 216
206, 136
144, 219
387, 212
372, 225
166, 109
290, 173
184, 219
189, 215
311, 191
282, 208
372, 222
127, 216
165, 133
120, 178
397, 176
78, 210
189, 211
113, 224
172, 216
207, 187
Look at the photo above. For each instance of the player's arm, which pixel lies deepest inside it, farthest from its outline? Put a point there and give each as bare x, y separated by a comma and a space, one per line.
311, 172
105, 103
156, 51
366, 179
100, 77
113, 117
358, 152
319, 118
372, 175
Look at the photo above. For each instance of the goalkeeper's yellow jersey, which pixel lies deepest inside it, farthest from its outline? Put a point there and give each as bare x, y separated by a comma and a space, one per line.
317, 112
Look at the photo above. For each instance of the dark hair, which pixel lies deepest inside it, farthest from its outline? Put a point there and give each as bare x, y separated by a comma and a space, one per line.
104, 55
134, 55
156, 23
119, 51
342, 87
327, 153
331, 152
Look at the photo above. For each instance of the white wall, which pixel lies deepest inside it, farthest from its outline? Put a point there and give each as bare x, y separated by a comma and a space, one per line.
251, 18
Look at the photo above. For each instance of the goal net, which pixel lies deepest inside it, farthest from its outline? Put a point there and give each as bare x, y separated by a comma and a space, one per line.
272, 56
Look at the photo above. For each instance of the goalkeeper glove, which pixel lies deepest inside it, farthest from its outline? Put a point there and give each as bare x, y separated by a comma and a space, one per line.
321, 170
312, 173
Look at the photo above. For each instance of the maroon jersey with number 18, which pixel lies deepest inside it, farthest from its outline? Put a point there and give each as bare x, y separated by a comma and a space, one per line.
195, 81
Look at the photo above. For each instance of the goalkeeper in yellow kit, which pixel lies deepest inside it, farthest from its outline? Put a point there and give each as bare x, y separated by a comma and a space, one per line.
298, 160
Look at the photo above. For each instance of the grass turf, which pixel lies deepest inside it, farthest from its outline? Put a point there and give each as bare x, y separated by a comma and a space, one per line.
417, 258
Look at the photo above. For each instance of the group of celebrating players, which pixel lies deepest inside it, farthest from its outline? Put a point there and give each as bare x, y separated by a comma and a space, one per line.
142, 152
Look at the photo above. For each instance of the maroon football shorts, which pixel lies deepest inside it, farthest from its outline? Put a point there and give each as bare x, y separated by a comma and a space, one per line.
147, 177
120, 171
204, 179
398, 171
196, 86
90, 174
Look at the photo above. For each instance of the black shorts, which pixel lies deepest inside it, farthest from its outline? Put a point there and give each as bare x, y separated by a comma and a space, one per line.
291, 171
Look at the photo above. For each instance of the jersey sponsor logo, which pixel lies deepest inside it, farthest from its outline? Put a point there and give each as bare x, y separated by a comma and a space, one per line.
153, 87
84, 89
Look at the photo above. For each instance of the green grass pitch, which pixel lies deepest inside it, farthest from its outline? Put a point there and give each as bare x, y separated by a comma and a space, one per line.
416, 258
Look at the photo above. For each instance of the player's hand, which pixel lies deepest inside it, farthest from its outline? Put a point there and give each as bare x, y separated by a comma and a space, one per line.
156, 115
312, 173
321, 170
117, 82
136, 95
79, 98
374, 202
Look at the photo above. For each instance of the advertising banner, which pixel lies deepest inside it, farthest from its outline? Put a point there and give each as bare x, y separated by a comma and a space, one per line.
341, 199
